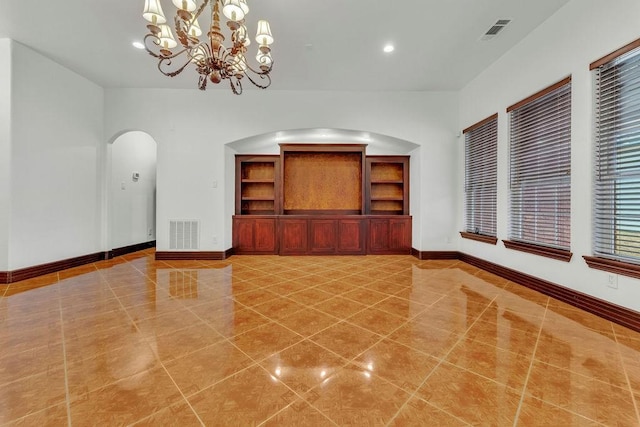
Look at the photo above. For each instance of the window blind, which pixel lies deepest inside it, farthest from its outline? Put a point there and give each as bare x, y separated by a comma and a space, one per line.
616, 213
540, 168
481, 178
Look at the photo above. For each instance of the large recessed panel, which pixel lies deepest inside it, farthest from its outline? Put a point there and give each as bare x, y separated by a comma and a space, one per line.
322, 182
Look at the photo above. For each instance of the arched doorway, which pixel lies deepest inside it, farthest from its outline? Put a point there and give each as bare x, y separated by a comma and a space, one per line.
132, 192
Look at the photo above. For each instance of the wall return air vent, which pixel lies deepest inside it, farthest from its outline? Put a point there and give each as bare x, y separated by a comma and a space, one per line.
184, 235
495, 29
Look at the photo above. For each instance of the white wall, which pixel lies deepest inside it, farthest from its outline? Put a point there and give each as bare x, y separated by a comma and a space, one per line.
192, 128
580, 33
56, 162
132, 202
5, 150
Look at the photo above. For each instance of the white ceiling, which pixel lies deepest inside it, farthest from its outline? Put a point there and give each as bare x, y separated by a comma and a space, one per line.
319, 44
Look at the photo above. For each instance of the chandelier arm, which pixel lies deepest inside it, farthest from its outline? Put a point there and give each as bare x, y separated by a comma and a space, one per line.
262, 75
202, 83
261, 72
167, 62
236, 86
156, 43
201, 9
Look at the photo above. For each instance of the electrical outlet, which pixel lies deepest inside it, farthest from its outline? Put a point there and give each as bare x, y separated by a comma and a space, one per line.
150, 232
215, 240
612, 280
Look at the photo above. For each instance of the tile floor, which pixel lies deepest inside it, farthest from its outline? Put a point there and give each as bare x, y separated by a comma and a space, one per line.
306, 341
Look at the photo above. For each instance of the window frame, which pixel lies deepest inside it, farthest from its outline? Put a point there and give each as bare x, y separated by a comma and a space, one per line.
618, 264
487, 184
528, 183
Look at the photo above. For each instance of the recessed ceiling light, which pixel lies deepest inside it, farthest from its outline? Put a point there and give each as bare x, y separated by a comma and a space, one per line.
388, 48
138, 45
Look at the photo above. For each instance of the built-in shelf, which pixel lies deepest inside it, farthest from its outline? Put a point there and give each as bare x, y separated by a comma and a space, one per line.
256, 191
388, 185
257, 181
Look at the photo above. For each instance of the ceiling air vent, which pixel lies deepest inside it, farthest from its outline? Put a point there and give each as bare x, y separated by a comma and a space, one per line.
495, 29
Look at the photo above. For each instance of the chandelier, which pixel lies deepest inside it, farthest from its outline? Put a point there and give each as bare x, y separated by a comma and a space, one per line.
212, 60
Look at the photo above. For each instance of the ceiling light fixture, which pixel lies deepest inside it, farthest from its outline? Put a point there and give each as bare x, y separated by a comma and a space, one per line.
388, 48
212, 60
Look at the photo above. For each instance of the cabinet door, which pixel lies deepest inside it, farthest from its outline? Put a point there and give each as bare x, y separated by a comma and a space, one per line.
293, 236
390, 235
243, 235
378, 235
254, 235
323, 236
351, 236
265, 235
400, 235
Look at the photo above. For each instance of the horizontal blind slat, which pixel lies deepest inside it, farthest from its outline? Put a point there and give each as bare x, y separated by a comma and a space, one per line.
616, 191
540, 169
481, 178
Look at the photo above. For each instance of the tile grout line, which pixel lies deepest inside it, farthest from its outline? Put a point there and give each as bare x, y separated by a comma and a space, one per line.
64, 357
299, 396
257, 363
347, 361
254, 362
155, 354
440, 362
403, 406
533, 360
626, 374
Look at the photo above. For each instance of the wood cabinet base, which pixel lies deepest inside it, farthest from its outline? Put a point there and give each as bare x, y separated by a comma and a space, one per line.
322, 234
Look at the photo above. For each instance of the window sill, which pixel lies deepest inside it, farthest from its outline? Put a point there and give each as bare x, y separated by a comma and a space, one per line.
559, 254
618, 267
479, 237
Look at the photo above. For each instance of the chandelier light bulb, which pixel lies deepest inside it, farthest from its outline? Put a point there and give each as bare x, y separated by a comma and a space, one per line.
263, 34
153, 12
233, 10
188, 5
194, 29
166, 37
244, 6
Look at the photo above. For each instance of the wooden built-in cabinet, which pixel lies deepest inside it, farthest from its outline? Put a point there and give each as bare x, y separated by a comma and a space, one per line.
254, 234
322, 235
257, 185
319, 199
390, 235
387, 185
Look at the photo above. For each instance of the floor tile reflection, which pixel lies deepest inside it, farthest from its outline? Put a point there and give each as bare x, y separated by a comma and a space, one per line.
318, 341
